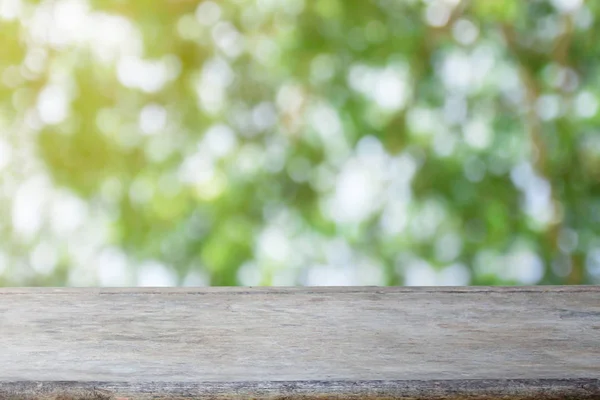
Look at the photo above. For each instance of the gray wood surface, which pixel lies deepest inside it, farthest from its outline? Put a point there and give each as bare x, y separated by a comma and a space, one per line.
288, 343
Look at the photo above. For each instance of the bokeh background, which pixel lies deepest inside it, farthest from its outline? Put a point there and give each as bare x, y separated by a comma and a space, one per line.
299, 142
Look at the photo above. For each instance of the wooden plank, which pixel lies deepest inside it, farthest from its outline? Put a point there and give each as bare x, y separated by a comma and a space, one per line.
429, 343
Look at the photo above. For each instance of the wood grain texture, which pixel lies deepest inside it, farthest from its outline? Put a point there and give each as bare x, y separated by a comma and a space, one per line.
430, 343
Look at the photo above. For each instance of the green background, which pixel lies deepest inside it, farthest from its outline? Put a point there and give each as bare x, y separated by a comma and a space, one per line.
299, 142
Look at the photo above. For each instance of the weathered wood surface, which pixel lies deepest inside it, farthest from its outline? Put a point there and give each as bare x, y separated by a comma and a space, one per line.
430, 343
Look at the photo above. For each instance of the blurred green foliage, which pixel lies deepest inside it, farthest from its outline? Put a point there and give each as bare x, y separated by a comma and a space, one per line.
299, 142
